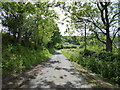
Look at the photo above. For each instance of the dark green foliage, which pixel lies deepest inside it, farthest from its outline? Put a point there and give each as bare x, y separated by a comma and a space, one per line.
8, 40
52, 50
17, 57
67, 47
107, 56
104, 63
30, 34
87, 52
55, 39
59, 46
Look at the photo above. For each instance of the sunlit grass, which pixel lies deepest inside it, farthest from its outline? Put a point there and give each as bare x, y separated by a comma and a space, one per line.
103, 63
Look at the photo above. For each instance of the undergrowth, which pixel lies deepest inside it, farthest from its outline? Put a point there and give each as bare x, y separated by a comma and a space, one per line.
103, 63
16, 57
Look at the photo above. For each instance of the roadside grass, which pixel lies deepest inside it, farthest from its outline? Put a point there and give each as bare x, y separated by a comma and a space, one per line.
95, 48
70, 46
16, 58
106, 65
92, 78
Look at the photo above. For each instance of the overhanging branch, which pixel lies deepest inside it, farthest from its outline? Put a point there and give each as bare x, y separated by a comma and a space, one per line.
115, 34
97, 27
99, 38
93, 21
114, 17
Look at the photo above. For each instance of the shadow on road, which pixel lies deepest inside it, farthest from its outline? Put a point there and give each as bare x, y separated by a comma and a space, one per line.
56, 72
53, 85
50, 63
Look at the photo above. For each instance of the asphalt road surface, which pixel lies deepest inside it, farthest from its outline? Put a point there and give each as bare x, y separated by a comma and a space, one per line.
57, 72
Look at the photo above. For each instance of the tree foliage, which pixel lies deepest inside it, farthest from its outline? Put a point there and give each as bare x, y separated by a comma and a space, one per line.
29, 34
103, 17
29, 22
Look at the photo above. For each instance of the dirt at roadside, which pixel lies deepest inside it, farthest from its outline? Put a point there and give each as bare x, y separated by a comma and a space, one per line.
93, 79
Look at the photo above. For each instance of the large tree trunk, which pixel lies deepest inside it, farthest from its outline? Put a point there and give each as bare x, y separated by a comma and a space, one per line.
108, 45
108, 39
107, 24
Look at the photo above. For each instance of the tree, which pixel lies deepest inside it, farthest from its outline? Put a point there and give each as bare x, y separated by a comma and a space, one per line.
56, 38
29, 22
13, 17
103, 15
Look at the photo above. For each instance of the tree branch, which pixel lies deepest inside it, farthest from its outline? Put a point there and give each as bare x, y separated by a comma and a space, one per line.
101, 3
98, 6
114, 23
101, 12
106, 14
107, 3
114, 17
99, 38
97, 26
94, 22
115, 34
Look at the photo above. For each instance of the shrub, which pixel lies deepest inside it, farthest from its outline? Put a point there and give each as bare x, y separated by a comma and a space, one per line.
103, 63
59, 46
87, 52
17, 58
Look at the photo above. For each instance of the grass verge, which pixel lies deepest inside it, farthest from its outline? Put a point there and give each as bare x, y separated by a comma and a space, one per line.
17, 58
104, 64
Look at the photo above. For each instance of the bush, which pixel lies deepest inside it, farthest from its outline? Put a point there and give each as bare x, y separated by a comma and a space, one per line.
59, 46
106, 56
17, 58
87, 52
103, 63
